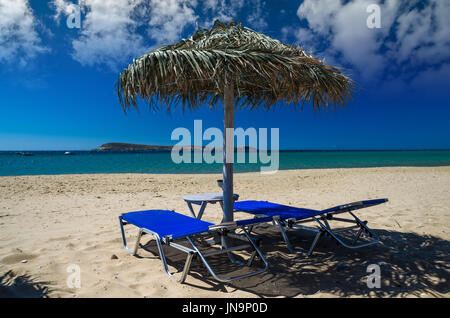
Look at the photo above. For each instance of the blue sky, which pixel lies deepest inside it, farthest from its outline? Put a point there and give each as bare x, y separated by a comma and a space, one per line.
57, 83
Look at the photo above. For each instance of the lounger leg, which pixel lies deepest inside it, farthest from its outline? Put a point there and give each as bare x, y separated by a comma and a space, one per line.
187, 264
224, 244
364, 226
357, 236
124, 240
162, 255
138, 240
340, 241
226, 279
257, 250
314, 243
285, 237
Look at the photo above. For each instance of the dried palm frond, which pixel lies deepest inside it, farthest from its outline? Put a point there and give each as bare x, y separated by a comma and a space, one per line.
262, 71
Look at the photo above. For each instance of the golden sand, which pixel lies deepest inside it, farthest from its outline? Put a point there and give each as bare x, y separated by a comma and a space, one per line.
48, 223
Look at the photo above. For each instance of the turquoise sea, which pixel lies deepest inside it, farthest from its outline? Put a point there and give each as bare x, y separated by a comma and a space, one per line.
55, 162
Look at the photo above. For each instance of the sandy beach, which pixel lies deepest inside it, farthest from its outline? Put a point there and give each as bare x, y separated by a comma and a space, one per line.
48, 223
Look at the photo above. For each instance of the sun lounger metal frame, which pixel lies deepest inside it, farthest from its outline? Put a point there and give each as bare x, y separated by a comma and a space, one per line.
286, 221
209, 229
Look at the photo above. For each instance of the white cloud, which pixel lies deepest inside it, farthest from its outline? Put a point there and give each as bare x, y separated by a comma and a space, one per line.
319, 14
223, 10
423, 36
168, 18
113, 31
257, 18
343, 27
19, 40
62, 6
410, 35
108, 31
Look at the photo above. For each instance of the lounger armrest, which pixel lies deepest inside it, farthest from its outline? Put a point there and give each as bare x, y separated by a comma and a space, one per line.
223, 225
354, 206
241, 223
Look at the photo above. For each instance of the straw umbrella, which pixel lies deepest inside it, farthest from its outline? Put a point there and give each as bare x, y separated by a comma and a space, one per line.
235, 66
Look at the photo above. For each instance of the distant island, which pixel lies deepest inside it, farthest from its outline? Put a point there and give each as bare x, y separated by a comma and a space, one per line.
120, 146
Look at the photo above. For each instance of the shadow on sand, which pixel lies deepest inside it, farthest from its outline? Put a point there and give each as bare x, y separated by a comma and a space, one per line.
22, 286
410, 264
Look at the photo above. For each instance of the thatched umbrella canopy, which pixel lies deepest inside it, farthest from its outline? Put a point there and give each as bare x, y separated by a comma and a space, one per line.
235, 65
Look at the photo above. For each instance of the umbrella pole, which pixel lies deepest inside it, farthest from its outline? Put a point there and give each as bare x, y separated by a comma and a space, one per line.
228, 121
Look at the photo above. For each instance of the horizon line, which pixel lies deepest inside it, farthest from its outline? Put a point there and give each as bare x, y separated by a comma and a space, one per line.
281, 150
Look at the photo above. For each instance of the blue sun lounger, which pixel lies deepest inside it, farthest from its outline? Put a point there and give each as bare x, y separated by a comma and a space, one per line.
288, 217
169, 228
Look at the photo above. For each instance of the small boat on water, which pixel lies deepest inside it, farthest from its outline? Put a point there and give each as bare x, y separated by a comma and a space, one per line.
27, 154
68, 153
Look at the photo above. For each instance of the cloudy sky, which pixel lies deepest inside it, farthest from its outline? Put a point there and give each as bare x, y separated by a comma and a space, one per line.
59, 61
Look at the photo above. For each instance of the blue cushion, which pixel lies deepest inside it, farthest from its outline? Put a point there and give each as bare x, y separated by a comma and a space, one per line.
165, 223
289, 212
274, 209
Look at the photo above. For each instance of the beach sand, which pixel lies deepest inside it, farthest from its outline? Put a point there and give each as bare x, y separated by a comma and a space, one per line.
48, 223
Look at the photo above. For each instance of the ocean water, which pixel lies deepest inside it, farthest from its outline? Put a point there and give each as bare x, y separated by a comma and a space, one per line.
55, 162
